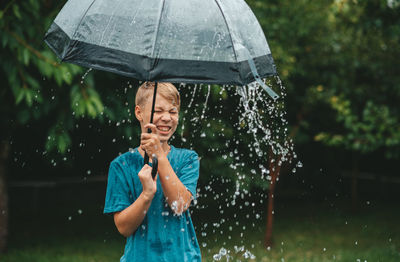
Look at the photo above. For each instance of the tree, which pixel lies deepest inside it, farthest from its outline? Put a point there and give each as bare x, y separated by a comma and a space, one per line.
338, 61
363, 93
37, 87
297, 35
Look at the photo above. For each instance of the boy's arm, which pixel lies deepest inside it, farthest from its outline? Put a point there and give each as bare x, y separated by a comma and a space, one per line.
177, 195
128, 220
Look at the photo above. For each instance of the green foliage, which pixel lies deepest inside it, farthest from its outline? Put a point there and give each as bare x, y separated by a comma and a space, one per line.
36, 84
375, 127
364, 93
86, 101
338, 60
58, 138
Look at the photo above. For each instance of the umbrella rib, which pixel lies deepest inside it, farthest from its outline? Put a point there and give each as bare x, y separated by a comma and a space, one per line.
227, 26
76, 30
109, 21
155, 37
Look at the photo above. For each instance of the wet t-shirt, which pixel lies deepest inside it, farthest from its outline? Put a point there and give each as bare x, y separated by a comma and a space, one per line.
162, 236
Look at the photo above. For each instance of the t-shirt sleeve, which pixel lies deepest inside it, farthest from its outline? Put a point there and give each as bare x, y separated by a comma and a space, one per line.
189, 172
117, 195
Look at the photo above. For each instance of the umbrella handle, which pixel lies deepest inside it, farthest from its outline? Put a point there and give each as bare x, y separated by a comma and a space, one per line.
146, 156
155, 167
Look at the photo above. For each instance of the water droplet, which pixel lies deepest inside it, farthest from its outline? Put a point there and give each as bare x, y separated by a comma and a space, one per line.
217, 257
222, 252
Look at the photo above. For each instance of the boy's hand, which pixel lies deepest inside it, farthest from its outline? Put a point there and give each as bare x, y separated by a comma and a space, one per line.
150, 142
148, 183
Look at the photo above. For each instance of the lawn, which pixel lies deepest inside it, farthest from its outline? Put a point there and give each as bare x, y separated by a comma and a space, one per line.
313, 231
317, 232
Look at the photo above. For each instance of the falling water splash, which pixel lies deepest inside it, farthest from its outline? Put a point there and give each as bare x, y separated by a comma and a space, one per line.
186, 111
85, 75
205, 103
264, 120
195, 119
191, 101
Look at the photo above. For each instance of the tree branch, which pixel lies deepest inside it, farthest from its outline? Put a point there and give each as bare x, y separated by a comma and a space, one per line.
25, 86
31, 48
8, 7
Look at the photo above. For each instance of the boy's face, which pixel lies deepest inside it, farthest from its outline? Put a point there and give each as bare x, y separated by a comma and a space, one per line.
166, 116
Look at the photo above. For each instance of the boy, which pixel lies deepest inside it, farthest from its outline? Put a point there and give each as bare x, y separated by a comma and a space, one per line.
153, 213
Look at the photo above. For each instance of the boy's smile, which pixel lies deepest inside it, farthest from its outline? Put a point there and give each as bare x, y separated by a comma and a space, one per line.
163, 129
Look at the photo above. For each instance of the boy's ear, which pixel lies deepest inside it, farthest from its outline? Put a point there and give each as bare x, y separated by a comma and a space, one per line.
138, 113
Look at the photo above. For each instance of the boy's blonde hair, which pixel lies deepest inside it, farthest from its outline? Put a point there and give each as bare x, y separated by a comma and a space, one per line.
167, 90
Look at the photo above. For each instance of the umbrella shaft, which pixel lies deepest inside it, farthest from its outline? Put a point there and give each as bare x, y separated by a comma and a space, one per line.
153, 105
146, 157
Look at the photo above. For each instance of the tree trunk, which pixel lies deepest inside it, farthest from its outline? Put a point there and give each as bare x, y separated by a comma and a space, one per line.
354, 184
4, 148
274, 170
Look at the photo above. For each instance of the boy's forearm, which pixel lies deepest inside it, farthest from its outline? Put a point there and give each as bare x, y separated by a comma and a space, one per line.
178, 197
128, 220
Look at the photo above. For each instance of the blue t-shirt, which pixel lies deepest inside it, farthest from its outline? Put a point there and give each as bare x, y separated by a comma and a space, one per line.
162, 236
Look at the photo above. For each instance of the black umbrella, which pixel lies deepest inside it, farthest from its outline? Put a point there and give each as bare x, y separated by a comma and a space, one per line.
196, 41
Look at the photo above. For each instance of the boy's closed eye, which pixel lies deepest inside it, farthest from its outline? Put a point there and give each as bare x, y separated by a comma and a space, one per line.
173, 111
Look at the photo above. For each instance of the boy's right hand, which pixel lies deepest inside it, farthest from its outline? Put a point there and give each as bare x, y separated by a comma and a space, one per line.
148, 183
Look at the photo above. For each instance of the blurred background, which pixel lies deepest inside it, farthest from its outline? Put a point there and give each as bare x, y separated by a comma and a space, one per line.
336, 200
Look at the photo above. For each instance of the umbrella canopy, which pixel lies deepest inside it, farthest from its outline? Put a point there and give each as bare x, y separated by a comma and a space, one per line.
196, 41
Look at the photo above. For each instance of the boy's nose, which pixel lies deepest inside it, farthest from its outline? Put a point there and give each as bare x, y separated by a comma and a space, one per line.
166, 117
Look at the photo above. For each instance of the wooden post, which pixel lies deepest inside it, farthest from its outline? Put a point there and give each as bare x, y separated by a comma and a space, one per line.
274, 170
354, 183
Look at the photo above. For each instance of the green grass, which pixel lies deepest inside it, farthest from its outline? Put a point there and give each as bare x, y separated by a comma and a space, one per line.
318, 233
306, 232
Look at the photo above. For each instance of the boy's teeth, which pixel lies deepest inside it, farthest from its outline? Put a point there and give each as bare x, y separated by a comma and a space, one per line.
163, 128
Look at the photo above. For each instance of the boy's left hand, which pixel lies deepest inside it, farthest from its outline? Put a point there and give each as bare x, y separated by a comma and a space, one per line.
150, 142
